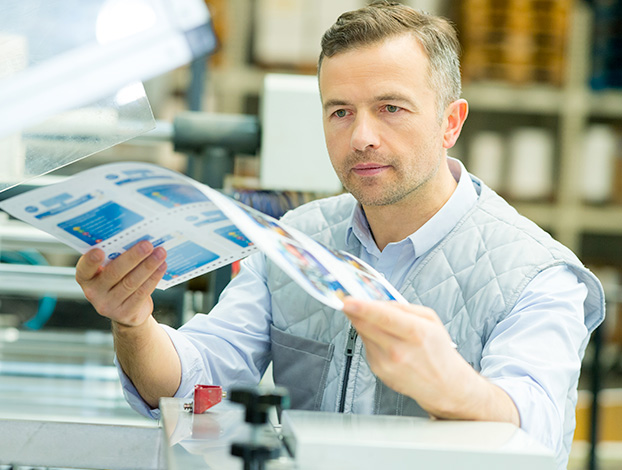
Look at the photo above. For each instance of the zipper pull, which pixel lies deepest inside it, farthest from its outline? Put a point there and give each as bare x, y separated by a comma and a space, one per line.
352, 335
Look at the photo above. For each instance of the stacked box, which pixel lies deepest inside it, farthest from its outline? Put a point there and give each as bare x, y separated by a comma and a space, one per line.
607, 45
519, 41
287, 33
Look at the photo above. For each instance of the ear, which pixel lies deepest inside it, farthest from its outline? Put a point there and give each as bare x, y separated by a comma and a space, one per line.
453, 120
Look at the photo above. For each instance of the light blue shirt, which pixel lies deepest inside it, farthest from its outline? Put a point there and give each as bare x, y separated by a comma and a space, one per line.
534, 354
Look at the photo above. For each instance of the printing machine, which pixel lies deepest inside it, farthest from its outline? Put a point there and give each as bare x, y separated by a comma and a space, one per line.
238, 433
224, 437
61, 405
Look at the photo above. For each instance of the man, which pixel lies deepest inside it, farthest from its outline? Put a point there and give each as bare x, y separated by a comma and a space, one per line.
518, 305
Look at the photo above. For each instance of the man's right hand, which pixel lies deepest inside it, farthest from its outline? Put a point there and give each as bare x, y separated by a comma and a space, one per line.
122, 289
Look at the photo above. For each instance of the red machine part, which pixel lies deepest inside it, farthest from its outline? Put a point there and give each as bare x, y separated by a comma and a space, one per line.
206, 396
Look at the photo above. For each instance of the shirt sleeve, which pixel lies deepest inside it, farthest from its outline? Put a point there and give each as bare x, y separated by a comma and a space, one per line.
229, 346
535, 353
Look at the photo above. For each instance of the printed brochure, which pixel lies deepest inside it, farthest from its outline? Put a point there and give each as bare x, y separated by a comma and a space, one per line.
114, 206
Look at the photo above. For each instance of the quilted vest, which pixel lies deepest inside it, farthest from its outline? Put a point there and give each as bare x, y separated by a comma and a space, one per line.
472, 278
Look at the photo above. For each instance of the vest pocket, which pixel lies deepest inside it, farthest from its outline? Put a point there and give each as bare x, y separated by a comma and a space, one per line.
301, 365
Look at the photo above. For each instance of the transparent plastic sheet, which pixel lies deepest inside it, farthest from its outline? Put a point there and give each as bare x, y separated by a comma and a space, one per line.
72, 135
65, 66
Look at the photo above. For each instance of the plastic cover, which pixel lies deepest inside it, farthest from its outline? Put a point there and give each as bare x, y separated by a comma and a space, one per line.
65, 66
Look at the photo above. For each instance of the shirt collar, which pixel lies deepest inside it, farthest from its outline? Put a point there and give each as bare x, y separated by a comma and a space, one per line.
461, 201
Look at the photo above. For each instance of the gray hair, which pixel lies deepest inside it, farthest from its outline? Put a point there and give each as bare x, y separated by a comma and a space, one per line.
384, 19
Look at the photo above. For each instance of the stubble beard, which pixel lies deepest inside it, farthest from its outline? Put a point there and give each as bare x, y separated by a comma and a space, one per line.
383, 190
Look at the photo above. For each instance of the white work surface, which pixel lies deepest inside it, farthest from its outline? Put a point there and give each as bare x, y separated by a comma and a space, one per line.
337, 441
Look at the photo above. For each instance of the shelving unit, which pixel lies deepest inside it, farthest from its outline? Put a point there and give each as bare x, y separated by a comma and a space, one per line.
574, 105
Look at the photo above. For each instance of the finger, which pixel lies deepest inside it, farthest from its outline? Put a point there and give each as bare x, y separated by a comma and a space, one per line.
387, 322
396, 319
406, 322
124, 264
135, 279
88, 265
355, 306
369, 334
134, 301
387, 356
374, 354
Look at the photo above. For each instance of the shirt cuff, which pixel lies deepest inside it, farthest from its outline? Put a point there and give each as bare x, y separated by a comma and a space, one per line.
133, 397
192, 372
536, 411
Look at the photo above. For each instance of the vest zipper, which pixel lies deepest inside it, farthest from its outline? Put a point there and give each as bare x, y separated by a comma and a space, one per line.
352, 335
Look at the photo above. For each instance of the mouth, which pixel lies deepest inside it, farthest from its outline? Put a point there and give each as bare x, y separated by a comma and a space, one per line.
369, 169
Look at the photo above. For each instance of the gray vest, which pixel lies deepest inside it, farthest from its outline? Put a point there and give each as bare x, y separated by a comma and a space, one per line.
472, 279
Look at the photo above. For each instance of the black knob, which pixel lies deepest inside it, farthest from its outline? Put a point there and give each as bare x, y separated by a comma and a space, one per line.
278, 396
254, 454
258, 402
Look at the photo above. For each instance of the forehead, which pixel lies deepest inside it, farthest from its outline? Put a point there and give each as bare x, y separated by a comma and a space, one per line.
399, 62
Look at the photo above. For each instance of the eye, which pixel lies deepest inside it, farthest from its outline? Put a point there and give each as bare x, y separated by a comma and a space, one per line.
391, 108
341, 113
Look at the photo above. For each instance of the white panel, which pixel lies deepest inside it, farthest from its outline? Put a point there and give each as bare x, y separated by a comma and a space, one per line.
368, 442
290, 31
293, 149
278, 37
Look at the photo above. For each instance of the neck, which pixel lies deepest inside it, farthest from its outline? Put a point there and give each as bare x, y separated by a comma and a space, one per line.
392, 223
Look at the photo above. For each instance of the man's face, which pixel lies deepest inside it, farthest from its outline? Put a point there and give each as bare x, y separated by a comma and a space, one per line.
380, 121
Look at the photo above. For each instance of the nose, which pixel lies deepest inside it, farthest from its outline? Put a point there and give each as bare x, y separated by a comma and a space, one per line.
364, 133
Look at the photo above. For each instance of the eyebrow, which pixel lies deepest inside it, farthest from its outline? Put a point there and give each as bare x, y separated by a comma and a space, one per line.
388, 97
397, 97
333, 103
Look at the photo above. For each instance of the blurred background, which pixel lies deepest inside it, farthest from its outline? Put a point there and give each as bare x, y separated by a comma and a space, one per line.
544, 83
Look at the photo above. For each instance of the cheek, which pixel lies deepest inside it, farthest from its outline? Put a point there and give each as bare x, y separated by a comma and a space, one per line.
334, 151
335, 139
329, 133
424, 136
